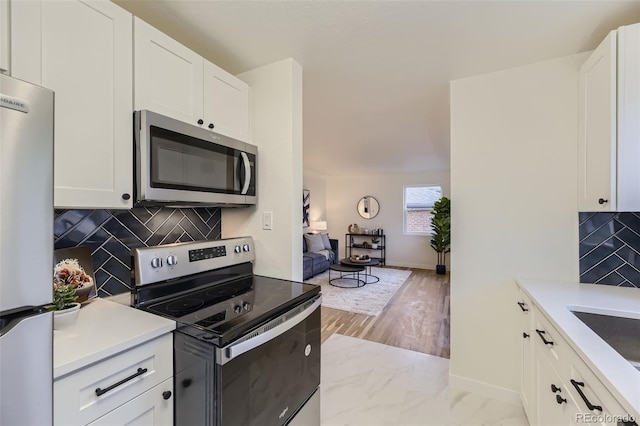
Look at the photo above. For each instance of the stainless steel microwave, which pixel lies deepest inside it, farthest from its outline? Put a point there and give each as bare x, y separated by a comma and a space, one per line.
178, 164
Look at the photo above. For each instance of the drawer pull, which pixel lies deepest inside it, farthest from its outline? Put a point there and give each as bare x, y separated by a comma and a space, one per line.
524, 335
560, 400
555, 389
140, 372
541, 333
522, 306
578, 386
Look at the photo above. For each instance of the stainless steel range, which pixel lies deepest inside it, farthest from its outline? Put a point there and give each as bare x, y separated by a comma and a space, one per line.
247, 347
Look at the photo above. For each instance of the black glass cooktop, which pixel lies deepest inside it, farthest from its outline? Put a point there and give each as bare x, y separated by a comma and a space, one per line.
225, 311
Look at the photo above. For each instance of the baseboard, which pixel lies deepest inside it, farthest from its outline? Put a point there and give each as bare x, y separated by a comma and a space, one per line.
412, 265
490, 391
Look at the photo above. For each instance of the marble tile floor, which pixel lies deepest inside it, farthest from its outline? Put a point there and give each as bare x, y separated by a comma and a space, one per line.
369, 384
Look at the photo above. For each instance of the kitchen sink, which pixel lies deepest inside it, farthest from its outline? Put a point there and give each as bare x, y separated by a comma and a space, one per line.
621, 333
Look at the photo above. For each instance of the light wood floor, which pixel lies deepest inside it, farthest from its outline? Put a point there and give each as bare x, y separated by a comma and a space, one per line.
416, 318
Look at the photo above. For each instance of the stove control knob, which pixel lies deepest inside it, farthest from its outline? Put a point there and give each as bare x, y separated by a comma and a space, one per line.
156, 262
246, 306
246, 247
237, 249
237, 309
172, 260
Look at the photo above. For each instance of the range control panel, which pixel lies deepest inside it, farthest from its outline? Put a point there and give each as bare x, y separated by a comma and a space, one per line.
161, 263
207, 253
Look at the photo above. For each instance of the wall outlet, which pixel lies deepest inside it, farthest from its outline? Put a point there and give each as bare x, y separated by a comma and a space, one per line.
267, 220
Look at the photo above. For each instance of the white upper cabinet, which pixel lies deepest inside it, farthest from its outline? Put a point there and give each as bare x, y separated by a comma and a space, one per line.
168, 76
83, 51
172, 80
226, 103
609, 129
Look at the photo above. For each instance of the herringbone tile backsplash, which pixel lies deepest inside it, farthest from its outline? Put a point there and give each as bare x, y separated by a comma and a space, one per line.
111, 234
610, 248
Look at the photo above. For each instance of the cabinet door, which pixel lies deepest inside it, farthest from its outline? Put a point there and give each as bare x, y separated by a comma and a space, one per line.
555, 405
82, 51
168, 75
597, 129
226, 103
527, 384
586, 389
152, 408
628, 123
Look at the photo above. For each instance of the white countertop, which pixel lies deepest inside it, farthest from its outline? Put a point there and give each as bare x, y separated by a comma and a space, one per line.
556, 298
103, 329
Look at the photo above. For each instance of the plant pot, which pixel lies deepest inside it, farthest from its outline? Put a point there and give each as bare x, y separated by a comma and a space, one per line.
374, 245
66, 317
441, 269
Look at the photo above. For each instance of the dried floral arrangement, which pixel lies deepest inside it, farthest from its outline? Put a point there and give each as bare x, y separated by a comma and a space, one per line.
69, 272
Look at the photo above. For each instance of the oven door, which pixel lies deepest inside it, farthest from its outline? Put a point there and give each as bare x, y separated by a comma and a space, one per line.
181, 163
266, 379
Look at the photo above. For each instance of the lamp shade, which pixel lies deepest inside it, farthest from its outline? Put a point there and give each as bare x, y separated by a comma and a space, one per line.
319, 226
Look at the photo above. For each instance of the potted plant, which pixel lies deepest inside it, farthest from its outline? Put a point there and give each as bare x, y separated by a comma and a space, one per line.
374, 241
441, 236
64, 306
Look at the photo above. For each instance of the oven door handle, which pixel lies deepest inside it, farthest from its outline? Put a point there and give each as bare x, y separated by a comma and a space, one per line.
247, 173
233, 351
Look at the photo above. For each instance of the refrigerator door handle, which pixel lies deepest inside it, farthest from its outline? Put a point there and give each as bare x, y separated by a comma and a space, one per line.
9, 321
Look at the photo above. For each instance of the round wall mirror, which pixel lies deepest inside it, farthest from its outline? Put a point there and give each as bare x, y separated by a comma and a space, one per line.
368, 207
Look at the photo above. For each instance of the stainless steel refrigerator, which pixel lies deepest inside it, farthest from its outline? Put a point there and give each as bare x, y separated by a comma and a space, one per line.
26, 253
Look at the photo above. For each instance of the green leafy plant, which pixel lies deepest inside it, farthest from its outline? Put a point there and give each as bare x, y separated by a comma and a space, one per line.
375, 239
63, 296
441, 225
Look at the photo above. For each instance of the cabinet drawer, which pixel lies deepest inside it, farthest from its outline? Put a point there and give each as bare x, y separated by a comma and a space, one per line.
152, 408
120, 379
549, 340
586, 389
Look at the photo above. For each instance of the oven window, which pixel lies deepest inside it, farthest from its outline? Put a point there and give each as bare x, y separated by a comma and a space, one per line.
182, 162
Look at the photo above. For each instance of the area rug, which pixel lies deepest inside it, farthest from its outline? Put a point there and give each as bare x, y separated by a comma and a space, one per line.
369, 299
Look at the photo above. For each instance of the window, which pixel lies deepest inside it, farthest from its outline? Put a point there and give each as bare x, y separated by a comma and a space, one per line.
418, 203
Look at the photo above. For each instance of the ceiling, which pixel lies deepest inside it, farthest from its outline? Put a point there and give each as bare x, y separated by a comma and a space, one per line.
376, 73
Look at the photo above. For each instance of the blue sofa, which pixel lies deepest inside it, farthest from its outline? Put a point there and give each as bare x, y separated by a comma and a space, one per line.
315, 263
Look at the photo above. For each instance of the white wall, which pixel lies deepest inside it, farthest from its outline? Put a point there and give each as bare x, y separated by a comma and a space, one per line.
276, 128
343, 194
514, 209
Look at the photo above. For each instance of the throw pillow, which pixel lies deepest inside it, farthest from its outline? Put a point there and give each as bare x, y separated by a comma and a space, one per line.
325, 241
314, 242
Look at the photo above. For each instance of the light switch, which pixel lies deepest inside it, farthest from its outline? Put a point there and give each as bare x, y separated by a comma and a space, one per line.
267, 220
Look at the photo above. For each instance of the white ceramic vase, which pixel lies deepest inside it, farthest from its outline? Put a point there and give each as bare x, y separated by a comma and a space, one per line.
66, 317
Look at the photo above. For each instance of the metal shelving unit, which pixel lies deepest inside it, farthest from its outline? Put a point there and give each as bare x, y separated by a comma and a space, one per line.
354, 244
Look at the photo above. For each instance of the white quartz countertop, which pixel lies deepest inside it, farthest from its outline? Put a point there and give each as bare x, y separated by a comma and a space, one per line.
104, 328
556, 299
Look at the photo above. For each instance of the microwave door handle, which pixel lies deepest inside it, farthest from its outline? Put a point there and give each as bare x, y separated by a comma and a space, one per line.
247, 173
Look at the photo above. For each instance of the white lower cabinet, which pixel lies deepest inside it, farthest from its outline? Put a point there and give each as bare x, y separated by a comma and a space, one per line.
133, 386
555, 405
595, 404
557, 387
152, 408
527, 378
